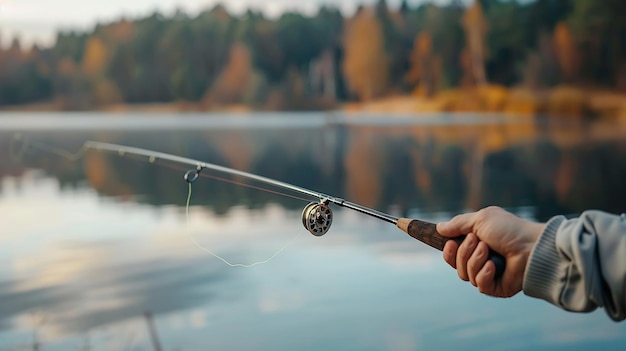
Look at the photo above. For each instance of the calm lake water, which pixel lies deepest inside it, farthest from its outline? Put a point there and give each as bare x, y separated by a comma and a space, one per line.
95, 248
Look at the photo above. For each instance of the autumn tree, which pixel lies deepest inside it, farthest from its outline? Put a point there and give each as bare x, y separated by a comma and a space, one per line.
425, 66
232, 82
566, 52
475, 27
95, 56
443, 24
103, 90
365, 64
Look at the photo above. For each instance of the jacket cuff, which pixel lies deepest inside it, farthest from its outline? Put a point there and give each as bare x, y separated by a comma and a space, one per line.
541, 278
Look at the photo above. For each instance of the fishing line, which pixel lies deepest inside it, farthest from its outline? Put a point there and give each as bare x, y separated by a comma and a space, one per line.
17, 153
26, 144
228, 263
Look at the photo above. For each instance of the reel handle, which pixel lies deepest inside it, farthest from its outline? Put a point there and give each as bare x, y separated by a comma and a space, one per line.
427, 233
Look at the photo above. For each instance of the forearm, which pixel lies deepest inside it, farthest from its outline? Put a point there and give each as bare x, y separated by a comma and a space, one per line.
580, 264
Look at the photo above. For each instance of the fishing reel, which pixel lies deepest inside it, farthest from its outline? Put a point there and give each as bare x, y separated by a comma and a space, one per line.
317, 217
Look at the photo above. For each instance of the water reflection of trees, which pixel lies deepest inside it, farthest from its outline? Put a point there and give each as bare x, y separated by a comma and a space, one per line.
433, 169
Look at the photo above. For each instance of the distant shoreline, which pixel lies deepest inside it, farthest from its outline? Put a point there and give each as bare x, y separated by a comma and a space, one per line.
559, 101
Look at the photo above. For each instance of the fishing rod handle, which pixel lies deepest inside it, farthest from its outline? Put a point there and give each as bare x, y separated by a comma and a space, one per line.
427, 233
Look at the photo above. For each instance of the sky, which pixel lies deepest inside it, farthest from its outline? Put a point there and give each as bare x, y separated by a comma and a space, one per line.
37, 21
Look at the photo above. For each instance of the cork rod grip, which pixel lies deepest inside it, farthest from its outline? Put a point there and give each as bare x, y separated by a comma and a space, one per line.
427, 233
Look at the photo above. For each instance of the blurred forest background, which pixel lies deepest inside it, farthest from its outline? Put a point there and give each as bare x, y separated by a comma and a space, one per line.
559, 57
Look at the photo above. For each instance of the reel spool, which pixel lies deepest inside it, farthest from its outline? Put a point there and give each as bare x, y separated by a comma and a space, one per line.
317, 218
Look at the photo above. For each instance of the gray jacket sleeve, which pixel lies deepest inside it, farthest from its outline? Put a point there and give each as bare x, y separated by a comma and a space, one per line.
580, 264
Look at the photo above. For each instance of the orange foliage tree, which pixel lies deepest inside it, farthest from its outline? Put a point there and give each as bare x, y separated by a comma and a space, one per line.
475, 27
103, 90
95, 56
234, 79
365, 65
566, 52
425, 66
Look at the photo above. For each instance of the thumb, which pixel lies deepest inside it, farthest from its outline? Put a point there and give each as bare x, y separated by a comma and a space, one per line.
442, 228
459, 225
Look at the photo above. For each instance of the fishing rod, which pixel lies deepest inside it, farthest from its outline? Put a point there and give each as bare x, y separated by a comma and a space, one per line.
317, 217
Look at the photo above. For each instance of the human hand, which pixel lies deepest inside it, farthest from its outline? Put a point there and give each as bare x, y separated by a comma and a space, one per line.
494, 228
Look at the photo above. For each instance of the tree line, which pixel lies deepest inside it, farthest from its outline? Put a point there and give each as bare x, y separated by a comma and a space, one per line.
215, 58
